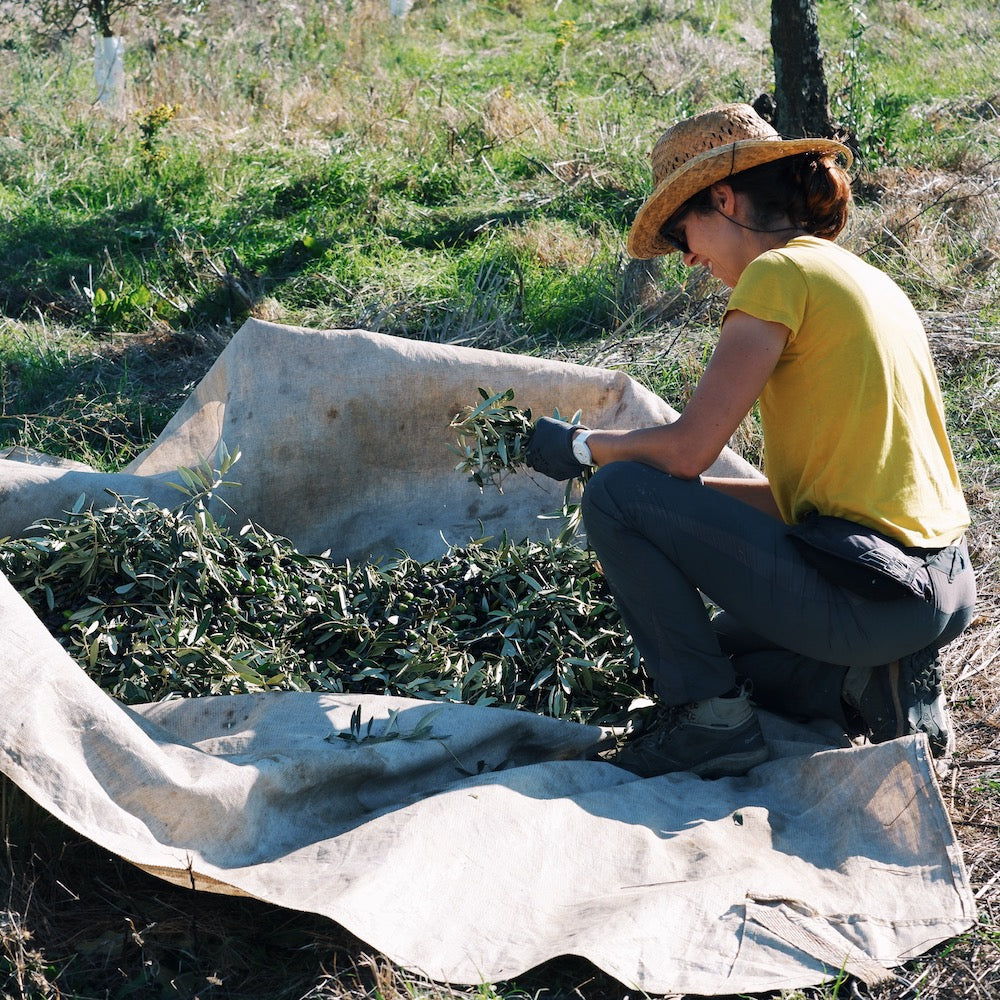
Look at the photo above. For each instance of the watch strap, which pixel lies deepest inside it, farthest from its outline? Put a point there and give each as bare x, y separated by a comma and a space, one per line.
581, 450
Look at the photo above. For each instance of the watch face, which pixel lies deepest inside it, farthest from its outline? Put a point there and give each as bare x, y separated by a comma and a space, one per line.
581, 450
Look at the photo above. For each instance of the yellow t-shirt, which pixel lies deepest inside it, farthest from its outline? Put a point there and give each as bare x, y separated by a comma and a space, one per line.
852, 415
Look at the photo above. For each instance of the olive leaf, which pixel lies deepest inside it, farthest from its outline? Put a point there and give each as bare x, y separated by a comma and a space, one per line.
361, 733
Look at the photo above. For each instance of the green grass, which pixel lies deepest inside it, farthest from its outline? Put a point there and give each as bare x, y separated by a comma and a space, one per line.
359, 159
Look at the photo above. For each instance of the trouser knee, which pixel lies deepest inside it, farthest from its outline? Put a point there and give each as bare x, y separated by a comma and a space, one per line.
600, 511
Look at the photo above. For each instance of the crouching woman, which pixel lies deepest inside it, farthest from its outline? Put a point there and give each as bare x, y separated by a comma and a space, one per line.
842, 573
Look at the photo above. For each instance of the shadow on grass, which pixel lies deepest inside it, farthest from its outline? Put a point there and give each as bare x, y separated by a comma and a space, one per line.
587, 206
103, 405
82, 923
53, 258
46, 262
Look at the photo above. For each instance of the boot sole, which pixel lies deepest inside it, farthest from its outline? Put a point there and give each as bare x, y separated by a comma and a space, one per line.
935, 724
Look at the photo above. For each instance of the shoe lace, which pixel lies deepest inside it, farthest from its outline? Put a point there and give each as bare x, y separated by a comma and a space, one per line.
663, 724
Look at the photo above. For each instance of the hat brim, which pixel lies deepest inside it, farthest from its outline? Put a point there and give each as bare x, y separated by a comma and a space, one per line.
704, 170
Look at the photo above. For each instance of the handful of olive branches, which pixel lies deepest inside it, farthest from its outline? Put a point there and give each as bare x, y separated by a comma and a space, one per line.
493, 438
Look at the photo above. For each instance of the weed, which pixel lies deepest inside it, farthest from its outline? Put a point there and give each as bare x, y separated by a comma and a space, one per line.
867, 111
152, 123
120, 308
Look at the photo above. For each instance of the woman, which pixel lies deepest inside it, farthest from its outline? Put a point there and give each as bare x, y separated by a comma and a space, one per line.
843, 572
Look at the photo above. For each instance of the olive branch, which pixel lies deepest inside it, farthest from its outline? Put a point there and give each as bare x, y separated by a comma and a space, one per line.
361, 733
493, 438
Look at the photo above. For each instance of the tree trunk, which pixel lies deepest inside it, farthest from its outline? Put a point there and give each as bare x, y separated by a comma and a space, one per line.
100, 14
803, 103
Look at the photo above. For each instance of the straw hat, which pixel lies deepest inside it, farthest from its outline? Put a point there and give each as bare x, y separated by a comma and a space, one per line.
697, 152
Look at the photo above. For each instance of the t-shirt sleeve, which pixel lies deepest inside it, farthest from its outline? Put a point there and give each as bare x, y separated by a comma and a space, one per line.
772, 288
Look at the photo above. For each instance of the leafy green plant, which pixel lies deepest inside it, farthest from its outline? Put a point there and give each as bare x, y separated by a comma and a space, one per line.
152, 122
870, 113
119, 308
493, 440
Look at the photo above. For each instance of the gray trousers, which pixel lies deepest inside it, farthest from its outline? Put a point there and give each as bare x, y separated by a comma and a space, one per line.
664, 542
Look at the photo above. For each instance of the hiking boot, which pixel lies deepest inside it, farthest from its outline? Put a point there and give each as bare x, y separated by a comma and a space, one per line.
903, 698
713, 738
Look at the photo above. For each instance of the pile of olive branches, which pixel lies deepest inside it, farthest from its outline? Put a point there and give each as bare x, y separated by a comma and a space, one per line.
156, 602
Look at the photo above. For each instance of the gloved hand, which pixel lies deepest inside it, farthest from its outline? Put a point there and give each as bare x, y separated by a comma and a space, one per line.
550, 449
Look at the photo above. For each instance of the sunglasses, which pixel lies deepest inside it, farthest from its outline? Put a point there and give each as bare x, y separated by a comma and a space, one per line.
677, 242
668, 231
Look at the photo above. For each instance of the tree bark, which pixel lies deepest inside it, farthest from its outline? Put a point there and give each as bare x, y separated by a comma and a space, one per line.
803, 102
100, 13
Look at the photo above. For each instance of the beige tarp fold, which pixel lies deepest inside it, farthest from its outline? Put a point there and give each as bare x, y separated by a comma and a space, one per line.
344, 436
478, 850
468, 844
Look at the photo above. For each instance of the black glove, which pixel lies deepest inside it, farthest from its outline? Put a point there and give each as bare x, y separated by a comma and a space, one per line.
550, 449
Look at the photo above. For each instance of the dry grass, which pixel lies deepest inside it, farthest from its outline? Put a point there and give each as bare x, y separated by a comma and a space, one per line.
554, 244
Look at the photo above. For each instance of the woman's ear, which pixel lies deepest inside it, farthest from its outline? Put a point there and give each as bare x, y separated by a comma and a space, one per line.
724, 198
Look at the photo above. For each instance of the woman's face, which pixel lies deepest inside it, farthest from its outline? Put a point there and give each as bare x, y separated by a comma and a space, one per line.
717, 239
709, 240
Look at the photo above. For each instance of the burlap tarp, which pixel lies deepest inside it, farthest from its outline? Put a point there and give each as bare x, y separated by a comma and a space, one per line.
477, 842
344, 441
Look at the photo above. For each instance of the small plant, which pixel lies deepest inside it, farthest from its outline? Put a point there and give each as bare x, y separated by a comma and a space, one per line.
117, 304
152, 122
202, 480
868, 112
119, 308
567, 29
988, 786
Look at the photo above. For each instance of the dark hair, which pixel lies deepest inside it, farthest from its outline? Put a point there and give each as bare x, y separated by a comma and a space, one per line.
811, 189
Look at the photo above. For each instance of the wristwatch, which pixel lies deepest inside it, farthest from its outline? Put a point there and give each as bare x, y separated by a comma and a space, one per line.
581, 450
